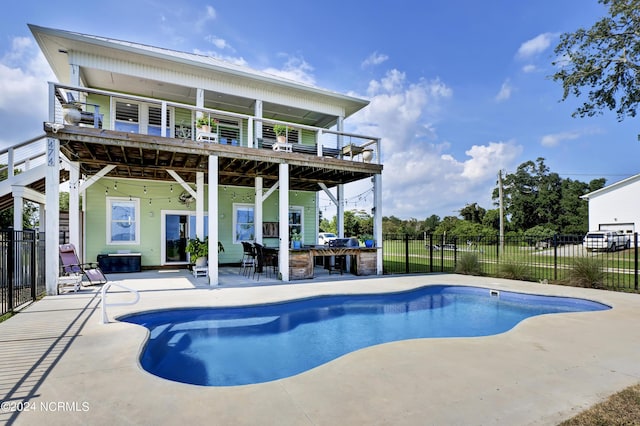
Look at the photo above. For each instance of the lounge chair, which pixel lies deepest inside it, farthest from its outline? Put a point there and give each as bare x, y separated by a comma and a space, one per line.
70, 265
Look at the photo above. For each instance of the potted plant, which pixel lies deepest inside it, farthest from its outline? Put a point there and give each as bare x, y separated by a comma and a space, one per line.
198, 251
208, 124
281, 132
367, 239
296, 239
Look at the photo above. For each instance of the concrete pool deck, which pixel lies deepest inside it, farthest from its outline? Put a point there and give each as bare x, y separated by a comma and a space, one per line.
61, 366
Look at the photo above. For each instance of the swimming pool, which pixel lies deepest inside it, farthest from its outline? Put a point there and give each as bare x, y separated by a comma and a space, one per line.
253, 344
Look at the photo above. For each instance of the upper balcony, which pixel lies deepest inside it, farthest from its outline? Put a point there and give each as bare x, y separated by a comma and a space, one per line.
145, 137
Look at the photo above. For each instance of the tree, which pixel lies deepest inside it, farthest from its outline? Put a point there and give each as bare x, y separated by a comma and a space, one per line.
605, 59
491, 219
534, 196
391, 225
473, 213
431, 223
521, 194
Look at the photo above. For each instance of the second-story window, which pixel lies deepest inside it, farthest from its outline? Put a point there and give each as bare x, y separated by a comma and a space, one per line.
228, 131
133, 117
155, 121
127, 117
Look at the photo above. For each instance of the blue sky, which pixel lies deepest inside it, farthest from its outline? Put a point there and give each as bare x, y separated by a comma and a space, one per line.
459, 89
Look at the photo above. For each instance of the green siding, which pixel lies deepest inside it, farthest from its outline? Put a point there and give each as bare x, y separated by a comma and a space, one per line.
159, 198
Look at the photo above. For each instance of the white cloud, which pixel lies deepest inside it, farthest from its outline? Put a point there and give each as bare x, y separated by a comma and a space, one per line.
555, 138
487, 159
294, 68
529, 68
23, 104
421, 181
505, 91
401, 112
534, 46
209, 15
375, 59
218, 42
421, 176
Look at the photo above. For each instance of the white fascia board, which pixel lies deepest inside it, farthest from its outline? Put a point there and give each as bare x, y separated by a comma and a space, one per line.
612, 187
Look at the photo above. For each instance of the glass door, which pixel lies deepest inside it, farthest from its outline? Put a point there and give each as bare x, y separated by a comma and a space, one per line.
176, 234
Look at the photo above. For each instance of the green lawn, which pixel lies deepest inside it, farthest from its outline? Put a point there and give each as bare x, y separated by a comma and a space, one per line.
619, 266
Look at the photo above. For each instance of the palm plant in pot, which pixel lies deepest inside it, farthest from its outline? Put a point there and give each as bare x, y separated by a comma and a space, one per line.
198, 251
281, 132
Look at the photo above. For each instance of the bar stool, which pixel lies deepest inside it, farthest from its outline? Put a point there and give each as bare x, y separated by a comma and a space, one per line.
248, 258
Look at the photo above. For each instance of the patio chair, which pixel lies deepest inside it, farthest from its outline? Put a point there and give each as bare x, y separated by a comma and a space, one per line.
70, 265
248, 258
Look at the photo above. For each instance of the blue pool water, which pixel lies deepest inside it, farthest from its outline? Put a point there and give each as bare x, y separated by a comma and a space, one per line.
253, 344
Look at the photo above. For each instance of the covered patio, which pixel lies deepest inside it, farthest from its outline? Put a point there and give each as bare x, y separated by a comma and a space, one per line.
91, 153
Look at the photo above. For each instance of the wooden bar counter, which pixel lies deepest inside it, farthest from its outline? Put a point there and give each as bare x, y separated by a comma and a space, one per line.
301, 261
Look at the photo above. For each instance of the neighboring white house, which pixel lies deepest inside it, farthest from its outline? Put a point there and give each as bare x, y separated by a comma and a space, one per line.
615, 207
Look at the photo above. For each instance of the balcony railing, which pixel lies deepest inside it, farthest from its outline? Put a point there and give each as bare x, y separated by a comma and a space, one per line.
178, 120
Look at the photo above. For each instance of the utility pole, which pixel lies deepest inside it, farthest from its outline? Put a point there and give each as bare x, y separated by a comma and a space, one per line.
501, 200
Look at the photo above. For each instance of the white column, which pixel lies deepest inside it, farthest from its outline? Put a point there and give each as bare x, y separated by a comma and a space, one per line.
200, 98
199, 104
377, 218
213, 220
258, 123
52, 226
257, 212
18, 206
340, 187
283, 211
200, 205
163, 120
74, 207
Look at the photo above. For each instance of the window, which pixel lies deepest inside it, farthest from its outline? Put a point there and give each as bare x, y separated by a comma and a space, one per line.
142, 118
123, 221
229, 131
127, 117
243, 226
295, 220
155, 121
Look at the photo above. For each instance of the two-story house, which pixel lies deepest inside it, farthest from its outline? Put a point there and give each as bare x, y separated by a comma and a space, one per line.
144, 178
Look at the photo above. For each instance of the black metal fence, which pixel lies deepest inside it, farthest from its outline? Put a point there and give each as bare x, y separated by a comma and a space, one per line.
550, 259
22, 268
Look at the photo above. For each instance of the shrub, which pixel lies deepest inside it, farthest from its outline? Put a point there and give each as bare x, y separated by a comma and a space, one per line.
468, 264
586, 272
514, 270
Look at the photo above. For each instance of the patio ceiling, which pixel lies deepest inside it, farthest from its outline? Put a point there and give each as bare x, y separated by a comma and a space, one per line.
149, 157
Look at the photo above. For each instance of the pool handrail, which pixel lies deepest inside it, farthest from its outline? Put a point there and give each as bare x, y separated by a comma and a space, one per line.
103, 293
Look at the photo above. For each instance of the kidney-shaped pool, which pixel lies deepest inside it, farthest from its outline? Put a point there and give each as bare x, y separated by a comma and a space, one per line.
253, 344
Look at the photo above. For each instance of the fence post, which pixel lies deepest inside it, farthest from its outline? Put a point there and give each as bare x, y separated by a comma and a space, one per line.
430, 252
555, 257
32, 263
442, 239
406, 253
635, 263
455, 252
10, 268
